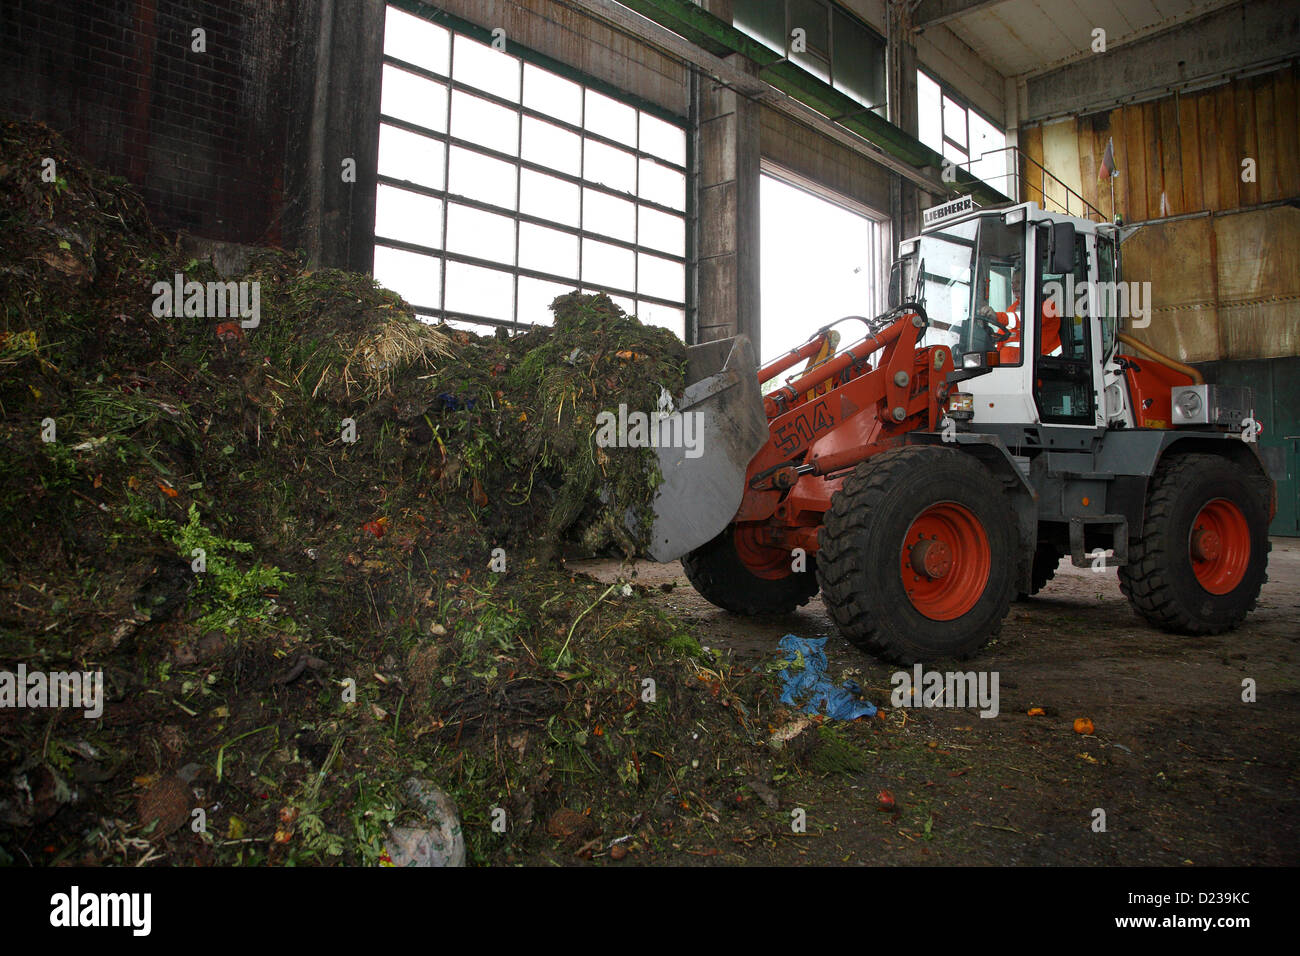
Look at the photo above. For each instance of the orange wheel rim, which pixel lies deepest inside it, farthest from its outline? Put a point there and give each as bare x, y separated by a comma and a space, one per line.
1219, 546
945, 561
762, 560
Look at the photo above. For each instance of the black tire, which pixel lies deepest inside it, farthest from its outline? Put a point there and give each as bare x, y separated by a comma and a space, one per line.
1046, 559
716, 571
861, 548
1160, 580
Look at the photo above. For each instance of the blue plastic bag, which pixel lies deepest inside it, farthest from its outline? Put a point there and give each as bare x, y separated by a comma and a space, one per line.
808, 687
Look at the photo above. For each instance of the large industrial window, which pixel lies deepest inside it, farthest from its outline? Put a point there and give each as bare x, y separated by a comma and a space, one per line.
503, 185
949, 126
822, 257
833, 45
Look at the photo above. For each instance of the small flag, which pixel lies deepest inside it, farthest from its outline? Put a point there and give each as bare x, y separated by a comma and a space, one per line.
1108, 160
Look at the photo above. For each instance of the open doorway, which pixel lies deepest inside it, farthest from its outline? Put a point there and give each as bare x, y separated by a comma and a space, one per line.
822, 258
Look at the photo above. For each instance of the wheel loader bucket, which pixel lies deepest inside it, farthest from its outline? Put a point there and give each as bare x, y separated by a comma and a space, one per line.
705, 453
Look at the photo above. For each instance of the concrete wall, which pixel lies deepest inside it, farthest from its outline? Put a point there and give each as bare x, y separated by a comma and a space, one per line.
572, 37
241, 143
203, 135
1220, 43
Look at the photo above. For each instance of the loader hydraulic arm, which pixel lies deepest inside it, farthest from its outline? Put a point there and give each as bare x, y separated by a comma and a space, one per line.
868, 406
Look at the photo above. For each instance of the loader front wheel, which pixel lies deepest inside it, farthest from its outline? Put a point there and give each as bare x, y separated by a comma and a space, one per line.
1203, 555
918, 554
761, 583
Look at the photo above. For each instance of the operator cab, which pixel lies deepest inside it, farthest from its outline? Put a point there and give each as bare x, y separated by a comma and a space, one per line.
1011, 292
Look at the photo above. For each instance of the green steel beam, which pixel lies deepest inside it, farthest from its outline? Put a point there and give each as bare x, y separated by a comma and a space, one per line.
704, 29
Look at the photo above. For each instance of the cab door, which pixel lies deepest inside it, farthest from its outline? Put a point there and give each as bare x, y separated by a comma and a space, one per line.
1066, 340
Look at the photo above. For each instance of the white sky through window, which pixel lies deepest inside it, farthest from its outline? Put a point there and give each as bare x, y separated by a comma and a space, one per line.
818, 261
448, 148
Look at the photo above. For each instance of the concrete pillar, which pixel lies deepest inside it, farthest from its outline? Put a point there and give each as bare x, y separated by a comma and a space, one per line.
336, 73
901, 59
728, 281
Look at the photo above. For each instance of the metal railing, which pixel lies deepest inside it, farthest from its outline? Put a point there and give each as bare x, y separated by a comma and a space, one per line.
1022, 185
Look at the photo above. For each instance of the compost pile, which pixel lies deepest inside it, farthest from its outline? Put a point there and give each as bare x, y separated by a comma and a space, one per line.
316, 557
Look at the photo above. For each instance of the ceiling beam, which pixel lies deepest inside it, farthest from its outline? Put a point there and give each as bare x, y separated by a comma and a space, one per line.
931, 12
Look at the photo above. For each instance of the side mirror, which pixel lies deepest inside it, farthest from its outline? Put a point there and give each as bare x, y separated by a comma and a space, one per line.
1061, 259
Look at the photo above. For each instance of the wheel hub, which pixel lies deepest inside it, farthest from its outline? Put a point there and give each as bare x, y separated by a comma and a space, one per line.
931, 558
1219, 546
1205, 545
945, 561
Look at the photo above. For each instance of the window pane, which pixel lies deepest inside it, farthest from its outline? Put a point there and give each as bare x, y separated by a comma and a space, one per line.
411, 156
548, 145
660, 184
414, 99
548, 250
659, 230
608, 215
930, 129
664, 316
478, 291
535, 298
611, 167
551, 94
661, 278
956, 155
985, 138
483, 235
482, 178
810, 16
492, 71
625, 303
416, 40
607, 265
548, 198
610, 118
408, 216
412, 276
858, 66
480, 121
763, 20
954, 121
663, 139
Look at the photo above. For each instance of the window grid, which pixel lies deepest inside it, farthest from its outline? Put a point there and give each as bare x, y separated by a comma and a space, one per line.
946, 92
583, 231
747, 19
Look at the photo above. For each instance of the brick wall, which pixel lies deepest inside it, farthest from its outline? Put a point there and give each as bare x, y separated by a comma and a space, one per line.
203, 135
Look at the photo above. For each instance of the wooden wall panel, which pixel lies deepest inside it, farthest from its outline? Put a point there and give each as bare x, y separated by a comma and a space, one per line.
1270, 155
1247, 144
1134, 164
1174, 258
1151, 148
1189, 154
1228, 162
1170, 147
1286, 125
1209, 165
1189, 147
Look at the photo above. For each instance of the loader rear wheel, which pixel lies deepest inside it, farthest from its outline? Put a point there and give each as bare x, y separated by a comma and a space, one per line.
764, 585
918, 554
1203, 555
